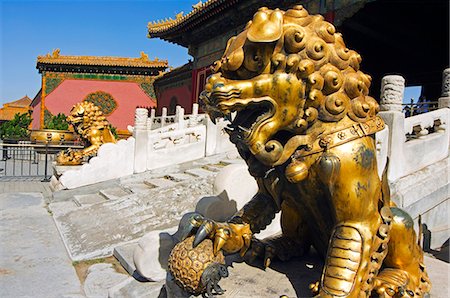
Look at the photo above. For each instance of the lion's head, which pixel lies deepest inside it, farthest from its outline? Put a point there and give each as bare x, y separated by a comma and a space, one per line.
285, 72
84, 115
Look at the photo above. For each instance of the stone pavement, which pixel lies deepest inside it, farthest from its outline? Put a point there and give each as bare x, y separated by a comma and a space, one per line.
25, 185
95, 221
33, 261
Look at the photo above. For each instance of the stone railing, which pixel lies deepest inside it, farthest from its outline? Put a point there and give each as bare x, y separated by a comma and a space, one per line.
418, 141
157, 142
166, 123
169, 140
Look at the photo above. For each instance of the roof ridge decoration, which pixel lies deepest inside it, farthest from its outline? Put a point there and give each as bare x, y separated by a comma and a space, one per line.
169, 23
143, 61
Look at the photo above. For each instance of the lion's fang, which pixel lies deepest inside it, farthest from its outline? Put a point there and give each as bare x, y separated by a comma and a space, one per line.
244, 128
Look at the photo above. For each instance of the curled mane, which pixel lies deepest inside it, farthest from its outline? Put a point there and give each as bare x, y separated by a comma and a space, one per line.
92, 116
335, 87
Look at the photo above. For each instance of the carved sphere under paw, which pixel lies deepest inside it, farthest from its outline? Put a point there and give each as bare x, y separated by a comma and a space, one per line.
187, 264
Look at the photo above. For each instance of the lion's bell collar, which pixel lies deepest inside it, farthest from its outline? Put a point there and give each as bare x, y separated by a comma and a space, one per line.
341, 136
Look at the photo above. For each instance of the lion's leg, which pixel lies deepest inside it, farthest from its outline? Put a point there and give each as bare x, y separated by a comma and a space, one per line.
358, 241
404, 271
292, 242
354, 257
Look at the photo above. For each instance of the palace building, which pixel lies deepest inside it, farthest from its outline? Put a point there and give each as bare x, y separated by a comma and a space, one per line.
118, 85
393, 37
10, 109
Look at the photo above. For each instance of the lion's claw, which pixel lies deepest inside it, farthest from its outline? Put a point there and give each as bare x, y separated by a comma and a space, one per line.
206, 230
229, 237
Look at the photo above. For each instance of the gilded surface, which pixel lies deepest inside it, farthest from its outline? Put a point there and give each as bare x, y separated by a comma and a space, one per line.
302, 119
90, 123
187, 263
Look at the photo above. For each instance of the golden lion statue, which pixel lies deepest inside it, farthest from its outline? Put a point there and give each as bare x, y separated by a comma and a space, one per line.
305, 125
89, 122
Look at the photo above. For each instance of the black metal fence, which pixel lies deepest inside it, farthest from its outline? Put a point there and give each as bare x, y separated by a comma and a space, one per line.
415, 108
26, 160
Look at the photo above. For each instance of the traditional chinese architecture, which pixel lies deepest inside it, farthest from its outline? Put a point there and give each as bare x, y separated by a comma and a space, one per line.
375, 28
117, 85
19, 106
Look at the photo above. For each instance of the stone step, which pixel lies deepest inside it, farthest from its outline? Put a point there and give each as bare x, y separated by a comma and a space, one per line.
93, 231
114, 193
89, 199
200, 172
160, 182
212, 168
131, 288
139, 187
426, 193
124, 254
178, 177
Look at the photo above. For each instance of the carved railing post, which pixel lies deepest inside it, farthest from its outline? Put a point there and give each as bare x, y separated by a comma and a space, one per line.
140, 118
179, 117
444, 100
392, 90
151, 119
141, 136
163, 117
193, 118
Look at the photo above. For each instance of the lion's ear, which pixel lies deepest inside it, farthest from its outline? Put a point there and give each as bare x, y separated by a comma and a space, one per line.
229, 42
267, 26
234, 54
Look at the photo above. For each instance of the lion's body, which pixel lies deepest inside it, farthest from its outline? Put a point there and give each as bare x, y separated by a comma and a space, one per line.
305, 126
90, 123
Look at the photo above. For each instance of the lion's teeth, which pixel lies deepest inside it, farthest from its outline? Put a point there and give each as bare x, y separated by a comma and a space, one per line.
233, 116
244, 128
229, 129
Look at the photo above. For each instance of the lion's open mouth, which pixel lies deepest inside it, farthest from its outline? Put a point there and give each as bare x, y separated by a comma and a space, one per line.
248, 117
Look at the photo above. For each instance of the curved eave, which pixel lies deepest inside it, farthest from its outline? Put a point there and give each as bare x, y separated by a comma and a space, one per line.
173, 30
106, 69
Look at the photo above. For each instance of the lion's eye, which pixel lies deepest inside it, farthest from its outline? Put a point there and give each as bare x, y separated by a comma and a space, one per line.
255, 58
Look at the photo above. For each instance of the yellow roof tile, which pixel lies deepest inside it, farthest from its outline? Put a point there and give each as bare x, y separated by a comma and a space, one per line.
142, 61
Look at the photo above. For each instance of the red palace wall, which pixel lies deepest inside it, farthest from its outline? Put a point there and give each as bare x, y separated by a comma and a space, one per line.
182, 94
36, 116
128, 95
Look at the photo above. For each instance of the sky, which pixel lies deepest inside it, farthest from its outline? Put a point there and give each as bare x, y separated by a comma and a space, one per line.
81, 27
78, 27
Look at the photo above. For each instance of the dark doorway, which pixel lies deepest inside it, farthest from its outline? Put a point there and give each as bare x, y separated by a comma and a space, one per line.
173, 105
406, 37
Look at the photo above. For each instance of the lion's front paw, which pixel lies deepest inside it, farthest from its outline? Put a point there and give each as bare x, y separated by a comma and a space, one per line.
395, 283
69, 157
261, 249
280, 247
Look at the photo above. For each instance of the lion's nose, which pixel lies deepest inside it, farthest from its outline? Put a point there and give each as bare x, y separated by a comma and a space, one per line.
215, 78
218, 85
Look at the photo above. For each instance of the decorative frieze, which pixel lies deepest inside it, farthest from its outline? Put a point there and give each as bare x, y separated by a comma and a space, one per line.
140, 118
392, 90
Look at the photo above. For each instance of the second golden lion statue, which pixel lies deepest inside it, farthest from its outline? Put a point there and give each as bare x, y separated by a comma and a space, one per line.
89, 122
305, 125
